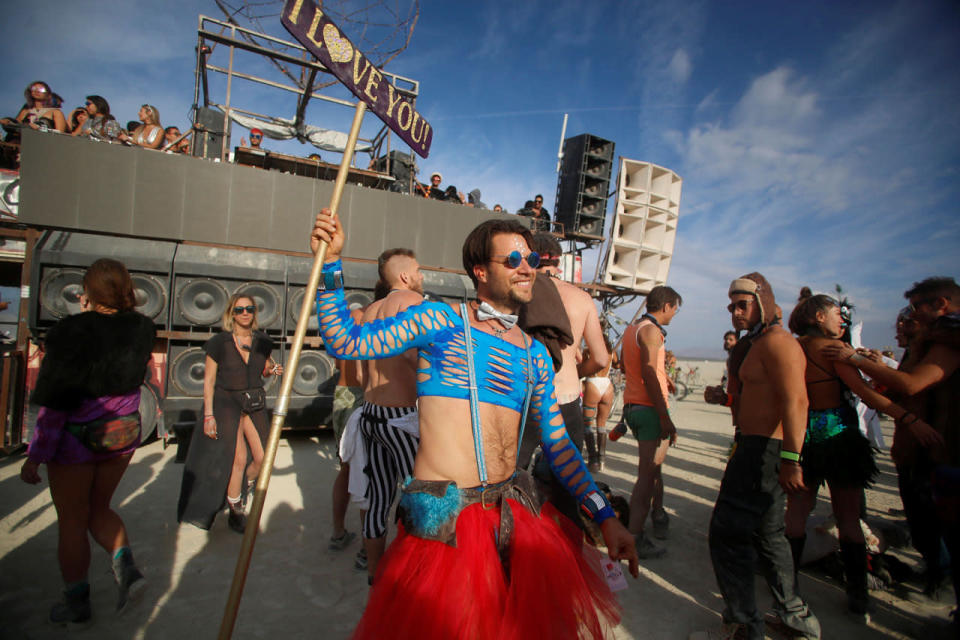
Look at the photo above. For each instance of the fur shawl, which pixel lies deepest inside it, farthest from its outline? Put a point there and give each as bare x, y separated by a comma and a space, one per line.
90, 355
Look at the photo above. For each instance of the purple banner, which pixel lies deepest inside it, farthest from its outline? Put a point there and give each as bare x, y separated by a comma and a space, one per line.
308, 24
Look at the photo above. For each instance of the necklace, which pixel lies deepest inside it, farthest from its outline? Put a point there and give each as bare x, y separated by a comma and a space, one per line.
494, 324
245, 347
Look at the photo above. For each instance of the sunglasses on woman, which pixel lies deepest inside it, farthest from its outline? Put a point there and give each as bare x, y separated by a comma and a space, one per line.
250, 308
514, 258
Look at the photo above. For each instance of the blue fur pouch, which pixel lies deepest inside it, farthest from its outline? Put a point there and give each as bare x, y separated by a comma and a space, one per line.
429, 509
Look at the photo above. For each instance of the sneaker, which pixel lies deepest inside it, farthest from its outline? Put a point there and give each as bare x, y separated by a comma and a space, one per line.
646, 549
727, 631
360, 562
342, 541
74, 610
661, 524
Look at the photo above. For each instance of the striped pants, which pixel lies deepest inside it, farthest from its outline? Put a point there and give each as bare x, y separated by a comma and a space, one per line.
390, 455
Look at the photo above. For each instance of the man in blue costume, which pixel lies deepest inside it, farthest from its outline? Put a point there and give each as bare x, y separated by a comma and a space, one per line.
475, 555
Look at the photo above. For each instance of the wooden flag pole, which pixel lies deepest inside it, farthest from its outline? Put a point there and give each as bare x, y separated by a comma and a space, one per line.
283, 401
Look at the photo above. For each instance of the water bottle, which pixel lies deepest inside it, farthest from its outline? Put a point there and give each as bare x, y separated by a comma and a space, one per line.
617, 432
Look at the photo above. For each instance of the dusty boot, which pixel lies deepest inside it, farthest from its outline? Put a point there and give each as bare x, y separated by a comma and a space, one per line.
854, 556
75, 608
130, 582
602, 446
796, 548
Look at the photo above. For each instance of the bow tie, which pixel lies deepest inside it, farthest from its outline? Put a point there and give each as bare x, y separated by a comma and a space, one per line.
486, 312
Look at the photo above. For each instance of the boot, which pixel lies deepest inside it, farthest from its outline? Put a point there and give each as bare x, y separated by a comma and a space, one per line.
75, 608
796, 548
854, 556
601, 446
236, 520
593, 455
130, 582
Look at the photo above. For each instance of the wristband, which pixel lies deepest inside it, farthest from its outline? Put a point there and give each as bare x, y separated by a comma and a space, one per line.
205, 418
789, 455
904, 417
728, 400
330, 281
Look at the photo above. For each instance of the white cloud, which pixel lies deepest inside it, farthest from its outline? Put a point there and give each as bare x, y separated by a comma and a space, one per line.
680, 66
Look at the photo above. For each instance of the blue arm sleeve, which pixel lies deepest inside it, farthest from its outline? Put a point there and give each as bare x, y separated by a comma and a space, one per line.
345, 339
565, 461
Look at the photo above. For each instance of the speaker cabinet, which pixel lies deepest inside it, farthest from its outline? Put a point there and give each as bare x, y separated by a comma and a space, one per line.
316, 374
62, 258
583, 186
206, 277
208, 140
645, 226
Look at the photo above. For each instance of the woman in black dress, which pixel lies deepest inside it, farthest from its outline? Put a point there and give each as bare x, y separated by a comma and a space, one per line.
234, 419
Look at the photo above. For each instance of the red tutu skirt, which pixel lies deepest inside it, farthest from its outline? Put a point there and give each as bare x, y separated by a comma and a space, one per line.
428, 589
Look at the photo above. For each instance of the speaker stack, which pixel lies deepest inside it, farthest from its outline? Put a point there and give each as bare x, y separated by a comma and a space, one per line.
645, 226
583, 186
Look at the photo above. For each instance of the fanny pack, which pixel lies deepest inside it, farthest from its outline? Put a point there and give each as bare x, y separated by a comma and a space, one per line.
252, 400
429, 509
107, 434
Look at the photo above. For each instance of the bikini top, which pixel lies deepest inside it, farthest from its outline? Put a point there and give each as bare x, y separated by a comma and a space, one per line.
831, 377
501, 369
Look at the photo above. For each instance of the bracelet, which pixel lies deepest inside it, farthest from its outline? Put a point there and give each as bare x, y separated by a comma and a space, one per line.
728, 401
904, 416
205, 418
789, 455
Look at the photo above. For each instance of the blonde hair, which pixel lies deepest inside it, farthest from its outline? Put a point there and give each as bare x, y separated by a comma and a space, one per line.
153, 116
228, 312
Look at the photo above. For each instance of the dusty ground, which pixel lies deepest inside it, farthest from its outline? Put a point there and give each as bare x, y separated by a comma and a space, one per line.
297, 588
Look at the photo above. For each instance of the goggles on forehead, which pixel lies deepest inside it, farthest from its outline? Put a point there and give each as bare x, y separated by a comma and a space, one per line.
514, 258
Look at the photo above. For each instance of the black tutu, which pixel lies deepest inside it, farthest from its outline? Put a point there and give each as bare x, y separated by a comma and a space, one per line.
845, 460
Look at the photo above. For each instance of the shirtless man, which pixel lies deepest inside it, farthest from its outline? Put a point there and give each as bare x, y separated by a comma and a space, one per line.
468, 518
584, 326
388, 418
769, 402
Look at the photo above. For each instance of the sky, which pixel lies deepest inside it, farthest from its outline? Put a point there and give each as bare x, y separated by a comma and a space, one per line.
818, 142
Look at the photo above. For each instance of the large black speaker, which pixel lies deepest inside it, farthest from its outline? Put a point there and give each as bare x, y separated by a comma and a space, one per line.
583, 185
206, 277
208, 139
62, 258
401, 168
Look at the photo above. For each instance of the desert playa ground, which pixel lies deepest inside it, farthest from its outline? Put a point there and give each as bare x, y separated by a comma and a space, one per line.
297, 588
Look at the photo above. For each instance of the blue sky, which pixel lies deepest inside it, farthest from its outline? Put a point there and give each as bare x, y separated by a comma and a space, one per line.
819, 142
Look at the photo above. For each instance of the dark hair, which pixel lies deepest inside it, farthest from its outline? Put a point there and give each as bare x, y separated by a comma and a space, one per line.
133, 125
730, 333
167, 130
804, 315
107, 282
662, 295
73, 117
477, 249
103, 107
538, 196
49, 102
547, 245
385, 257
935, 288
